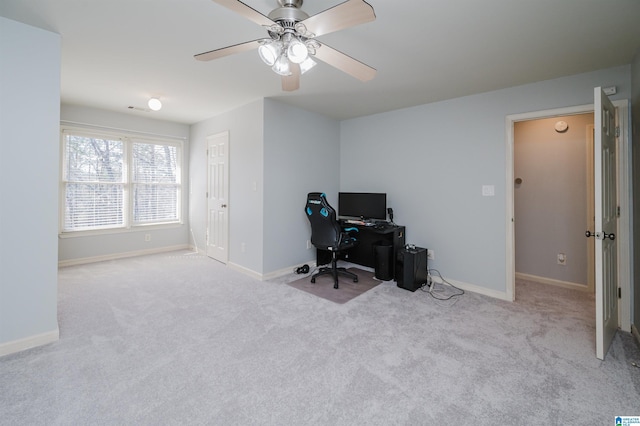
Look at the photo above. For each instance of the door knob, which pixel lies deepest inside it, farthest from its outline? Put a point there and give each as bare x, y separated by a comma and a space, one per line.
601, 236
223, 206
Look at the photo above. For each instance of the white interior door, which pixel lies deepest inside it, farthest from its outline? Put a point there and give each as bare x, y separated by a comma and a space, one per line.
218, 196
606, 221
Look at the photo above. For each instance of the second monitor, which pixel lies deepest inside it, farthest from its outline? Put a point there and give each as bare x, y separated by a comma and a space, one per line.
362, 205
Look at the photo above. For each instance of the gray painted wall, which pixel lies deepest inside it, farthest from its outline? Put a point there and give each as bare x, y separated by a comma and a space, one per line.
29, 122
432, 160
77, 247
551, 202
301, 155
287, 152
246, 153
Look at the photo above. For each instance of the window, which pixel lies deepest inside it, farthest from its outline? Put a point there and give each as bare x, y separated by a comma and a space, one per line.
114, 181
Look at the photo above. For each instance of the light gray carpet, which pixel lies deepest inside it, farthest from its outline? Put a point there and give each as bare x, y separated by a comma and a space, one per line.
181, 339
348, 290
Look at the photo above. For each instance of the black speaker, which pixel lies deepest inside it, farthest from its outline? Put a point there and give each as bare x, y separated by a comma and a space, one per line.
411, 268
383, 260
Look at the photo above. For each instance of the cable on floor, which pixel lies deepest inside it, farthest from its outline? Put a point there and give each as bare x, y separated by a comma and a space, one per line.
430, 284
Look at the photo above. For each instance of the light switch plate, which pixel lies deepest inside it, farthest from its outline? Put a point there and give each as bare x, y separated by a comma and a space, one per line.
488, 190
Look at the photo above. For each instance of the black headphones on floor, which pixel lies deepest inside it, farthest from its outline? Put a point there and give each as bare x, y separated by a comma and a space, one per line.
302, 269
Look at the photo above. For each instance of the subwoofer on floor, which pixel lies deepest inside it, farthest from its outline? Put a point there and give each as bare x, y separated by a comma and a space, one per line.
411, 268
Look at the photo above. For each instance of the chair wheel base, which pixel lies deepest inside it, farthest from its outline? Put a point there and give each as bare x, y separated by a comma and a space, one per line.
335, 272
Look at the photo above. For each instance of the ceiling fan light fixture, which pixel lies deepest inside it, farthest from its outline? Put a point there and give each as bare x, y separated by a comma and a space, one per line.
290, 46
312, 46
307, 64
154, 104
269, 52
297, 51
282, 66
302, 31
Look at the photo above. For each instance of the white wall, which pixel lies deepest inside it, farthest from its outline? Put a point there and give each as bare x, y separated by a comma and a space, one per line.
29, 123
79, 248
301, 155
551, 202
432, 160
246, 153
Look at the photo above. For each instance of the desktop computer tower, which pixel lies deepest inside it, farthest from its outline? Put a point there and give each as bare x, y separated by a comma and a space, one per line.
411, 268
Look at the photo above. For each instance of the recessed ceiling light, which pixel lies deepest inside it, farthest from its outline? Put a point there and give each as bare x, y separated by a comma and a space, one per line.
155, 104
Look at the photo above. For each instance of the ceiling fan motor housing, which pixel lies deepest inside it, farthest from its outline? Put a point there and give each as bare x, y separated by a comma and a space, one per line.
290, 3
289, 13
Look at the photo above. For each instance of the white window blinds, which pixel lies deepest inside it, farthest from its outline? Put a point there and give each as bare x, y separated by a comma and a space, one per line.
94, 182
118, 182
155, 183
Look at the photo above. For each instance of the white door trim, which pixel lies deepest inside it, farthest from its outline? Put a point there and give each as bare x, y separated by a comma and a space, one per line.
625, 221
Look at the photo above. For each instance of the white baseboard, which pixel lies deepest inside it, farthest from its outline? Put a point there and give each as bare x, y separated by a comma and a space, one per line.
551, 281
274, 274
29, 342
279, 273
245, 271
502, 295
268, 276
84, 260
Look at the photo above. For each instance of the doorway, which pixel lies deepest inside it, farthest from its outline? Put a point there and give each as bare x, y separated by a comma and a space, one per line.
553, 200
624, 190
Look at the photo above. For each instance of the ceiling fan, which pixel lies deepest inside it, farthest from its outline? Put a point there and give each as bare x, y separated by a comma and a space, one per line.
291, 44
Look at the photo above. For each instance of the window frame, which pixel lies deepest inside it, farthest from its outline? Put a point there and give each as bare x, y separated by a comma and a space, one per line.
128, 139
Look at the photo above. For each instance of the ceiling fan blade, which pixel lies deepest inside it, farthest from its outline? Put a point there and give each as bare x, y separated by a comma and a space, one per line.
246, 11
226, 51
291, 82
344, 15
345, 63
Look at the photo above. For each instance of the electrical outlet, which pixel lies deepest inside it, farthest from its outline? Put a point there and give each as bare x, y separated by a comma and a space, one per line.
147, 237
309, 245
431, 255
562, 259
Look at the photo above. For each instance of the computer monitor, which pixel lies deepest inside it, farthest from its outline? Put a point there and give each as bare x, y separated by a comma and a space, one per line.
366, 205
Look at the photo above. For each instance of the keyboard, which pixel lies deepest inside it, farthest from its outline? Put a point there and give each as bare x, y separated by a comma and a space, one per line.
360, 222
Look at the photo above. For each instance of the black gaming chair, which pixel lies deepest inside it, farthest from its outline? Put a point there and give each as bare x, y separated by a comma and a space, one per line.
327, 234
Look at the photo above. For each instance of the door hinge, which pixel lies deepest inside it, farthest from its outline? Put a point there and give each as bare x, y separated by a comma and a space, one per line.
619, 293
618, 211
617, 131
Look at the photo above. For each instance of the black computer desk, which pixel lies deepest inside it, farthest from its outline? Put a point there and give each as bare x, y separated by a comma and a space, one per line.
391, 237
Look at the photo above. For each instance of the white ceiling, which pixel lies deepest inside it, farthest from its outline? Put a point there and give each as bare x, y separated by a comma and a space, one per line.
118, 53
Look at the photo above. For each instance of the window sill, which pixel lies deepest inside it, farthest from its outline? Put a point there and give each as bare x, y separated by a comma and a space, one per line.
112, 231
